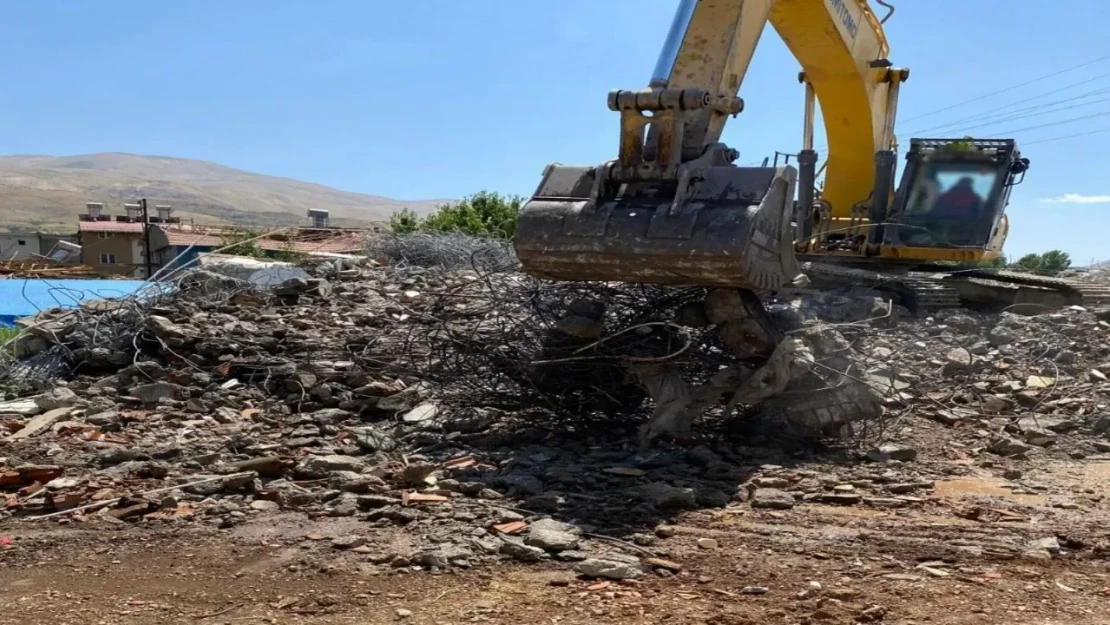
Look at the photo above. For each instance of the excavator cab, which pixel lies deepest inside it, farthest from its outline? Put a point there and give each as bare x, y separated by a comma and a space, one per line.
952, 195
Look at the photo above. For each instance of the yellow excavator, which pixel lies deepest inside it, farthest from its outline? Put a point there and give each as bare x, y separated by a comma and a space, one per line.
673, 208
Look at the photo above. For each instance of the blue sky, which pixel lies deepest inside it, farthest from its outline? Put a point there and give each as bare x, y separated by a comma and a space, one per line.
438, 98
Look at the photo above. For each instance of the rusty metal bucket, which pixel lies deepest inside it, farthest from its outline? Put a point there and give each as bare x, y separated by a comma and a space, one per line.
732, 229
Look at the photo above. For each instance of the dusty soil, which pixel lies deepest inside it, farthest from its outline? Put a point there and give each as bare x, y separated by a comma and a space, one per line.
936, 564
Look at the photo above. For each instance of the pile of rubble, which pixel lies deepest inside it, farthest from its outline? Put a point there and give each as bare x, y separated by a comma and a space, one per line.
494, 416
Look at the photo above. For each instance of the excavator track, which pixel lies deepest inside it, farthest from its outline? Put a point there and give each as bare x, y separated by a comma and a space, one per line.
921, 293
924, 293
1078, 293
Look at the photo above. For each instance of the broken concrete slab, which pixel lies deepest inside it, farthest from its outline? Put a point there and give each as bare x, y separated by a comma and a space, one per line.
40, 423
22, 407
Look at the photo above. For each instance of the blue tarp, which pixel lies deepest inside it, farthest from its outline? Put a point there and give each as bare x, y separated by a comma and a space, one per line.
23, 297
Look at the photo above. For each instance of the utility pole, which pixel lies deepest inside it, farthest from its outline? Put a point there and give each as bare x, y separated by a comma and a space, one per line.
146, 238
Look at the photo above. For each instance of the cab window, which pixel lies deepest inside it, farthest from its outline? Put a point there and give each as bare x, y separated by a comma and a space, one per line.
952, 190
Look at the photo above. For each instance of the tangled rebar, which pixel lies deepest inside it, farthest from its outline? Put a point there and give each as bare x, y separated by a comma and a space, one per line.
442, 251
453, 316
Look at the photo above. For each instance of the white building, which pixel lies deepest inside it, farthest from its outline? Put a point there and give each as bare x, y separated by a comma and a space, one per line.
29, 245
20, 245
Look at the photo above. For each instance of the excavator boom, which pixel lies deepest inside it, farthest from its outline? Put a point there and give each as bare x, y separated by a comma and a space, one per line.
673, 207
842, 50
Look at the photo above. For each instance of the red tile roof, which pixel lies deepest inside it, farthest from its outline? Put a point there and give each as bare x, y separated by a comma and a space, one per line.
306, 241
302, 240
179, 238
109, 226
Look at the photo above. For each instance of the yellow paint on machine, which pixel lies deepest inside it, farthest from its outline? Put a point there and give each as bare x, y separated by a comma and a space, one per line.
817, 33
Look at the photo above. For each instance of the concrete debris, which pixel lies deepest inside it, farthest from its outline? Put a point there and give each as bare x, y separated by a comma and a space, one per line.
40, 423
773, 499
20, 407
431, 401
1001, 335
1050, 544
549, 537
522, 552
665, 496
1007, 446
58, 397
891, 451
612, 566
348, 542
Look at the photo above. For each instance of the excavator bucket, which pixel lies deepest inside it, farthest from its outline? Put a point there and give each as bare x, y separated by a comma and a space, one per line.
731, 227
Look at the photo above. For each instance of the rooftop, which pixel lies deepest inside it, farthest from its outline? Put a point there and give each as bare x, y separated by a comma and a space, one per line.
308, 240
32, 233
301, 240
184, 238
109, 226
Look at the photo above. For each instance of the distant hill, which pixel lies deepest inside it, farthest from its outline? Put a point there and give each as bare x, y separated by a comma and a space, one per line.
48, 192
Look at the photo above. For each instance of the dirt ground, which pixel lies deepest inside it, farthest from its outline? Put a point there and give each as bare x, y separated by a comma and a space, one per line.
944, 562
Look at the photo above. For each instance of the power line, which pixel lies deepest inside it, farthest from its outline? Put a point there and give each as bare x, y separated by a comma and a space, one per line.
1055, 123
1010, 88
994, 114
1033, 114
995, 117
1072, 136
996, 111
1033, 111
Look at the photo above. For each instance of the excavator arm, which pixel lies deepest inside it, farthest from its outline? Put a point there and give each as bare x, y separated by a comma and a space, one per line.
673, 208
842, 50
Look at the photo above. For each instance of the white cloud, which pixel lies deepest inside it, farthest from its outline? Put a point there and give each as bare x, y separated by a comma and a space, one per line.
1078, 198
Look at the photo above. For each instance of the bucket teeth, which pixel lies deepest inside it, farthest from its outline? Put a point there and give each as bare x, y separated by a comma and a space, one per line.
733, 229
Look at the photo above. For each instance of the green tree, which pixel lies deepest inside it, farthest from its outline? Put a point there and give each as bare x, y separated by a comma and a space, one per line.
1050, 263
484, 214
404, 220
996, 263
241, 245
1056, 261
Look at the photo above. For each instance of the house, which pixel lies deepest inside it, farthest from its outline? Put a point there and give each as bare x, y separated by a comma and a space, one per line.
113, 246
117, 244
19, 245
29, 245
179, 245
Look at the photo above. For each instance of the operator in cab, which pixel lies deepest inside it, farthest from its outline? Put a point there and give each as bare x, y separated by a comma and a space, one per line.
959, 201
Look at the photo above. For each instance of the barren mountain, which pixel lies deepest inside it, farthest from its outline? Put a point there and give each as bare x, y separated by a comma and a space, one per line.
47, 192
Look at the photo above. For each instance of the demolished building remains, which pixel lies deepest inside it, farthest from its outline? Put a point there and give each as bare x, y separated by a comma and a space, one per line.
431, 385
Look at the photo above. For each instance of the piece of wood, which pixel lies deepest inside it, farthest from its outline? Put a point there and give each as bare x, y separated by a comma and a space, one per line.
411, 498
514, 527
